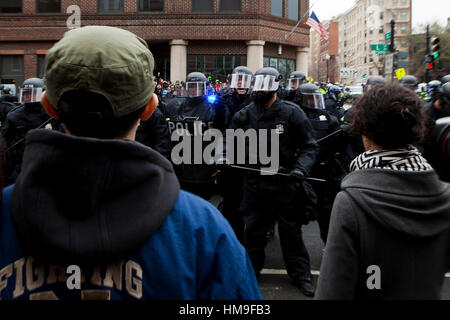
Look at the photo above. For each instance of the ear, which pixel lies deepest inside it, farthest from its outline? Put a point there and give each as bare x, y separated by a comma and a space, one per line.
48, 106
150, 108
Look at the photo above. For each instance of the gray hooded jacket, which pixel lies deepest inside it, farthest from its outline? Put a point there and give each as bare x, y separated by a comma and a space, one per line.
395, 220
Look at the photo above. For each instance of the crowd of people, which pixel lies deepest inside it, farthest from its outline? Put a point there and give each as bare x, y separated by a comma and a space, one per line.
104, 189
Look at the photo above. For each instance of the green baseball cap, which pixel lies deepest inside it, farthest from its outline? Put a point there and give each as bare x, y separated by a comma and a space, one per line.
109, 61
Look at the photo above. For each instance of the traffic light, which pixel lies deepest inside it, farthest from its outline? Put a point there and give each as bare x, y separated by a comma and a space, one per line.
430, 66
435, 47
395, 58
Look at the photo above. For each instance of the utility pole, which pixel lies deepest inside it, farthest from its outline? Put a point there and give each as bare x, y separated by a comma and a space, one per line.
392, 46
428, 52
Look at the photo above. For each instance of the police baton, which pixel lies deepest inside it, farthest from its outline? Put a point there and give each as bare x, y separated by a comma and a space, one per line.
272, 173
337, 132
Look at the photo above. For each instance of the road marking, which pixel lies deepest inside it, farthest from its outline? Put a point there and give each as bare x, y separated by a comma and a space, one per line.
283, 271
313, 272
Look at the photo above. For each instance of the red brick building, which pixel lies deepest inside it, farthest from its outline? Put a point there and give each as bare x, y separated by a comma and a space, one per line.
325, 54
212, 36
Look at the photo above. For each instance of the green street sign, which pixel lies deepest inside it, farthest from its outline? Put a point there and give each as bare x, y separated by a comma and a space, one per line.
380, 49
387, 36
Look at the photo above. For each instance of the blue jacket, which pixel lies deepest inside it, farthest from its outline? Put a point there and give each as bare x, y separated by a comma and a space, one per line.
192, 254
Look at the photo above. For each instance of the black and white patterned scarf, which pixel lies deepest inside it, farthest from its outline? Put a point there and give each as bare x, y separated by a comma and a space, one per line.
405, 160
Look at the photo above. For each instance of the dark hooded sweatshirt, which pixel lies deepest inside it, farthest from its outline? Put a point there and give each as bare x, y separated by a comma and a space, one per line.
396, 221
115, 209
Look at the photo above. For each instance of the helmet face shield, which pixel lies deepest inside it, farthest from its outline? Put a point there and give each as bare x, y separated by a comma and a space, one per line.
30, 94
195, 89
294, 83
241, 81
265, 83
313, 100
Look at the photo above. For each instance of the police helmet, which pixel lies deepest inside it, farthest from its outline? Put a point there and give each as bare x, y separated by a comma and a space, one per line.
445, 79
31, 90
196, 85
443, 93
375, 79
267, 79
409, 81
296, 78
241, 78
310, 96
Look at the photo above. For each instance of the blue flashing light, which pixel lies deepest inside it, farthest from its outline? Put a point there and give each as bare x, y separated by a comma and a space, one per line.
212, 99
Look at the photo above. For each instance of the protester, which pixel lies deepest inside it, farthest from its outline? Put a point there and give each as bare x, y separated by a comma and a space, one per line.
389, 235
95, 198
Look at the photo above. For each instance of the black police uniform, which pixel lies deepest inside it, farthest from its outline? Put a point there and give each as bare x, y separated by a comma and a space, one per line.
331, 164
270, 199
231, 181
333, 106
18, 122
431, 152
184, 113
154, 133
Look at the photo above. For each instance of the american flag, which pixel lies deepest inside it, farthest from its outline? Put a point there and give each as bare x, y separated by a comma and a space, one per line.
314, 23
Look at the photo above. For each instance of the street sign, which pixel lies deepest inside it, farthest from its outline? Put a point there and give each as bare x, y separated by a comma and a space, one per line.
400, 73
387, 36
389, 63
380, 49
347, 73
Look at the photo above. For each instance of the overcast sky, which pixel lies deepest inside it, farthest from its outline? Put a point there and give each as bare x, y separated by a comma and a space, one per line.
424, 11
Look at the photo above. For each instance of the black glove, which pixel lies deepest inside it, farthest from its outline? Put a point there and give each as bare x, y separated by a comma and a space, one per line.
297, 174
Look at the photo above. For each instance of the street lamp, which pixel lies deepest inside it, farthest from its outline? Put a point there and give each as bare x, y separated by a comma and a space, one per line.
328, 60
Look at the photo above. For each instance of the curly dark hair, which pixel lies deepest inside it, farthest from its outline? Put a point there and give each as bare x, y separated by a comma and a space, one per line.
391, 115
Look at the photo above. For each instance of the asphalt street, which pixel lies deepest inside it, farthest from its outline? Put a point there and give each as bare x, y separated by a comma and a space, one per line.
275, 284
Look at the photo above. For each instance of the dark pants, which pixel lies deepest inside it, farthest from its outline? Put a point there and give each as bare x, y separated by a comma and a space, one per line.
268, 201
231, 185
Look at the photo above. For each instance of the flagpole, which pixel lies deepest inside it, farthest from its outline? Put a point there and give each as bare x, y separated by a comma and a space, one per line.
286, 37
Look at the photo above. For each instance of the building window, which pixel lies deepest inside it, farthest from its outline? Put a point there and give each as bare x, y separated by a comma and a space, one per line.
230, 6
381, 15
403, 43
216, 66
284, 66
381, 3
404, 15
40, 66
403, 30
294, 10
11, 6
11, 69
205, 6
48, 6
404, 1
277, 8
394, 2
151, 5
381, 30
162, 65
371, 30
110, 6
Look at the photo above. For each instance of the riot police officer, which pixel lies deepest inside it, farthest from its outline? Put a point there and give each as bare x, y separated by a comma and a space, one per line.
30, 115
240, 82
445, 79
373, 80
410, 82
437, 109
335, 154
432, 87
194, 114
270, 199
333, 102
154, 133
296, 79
